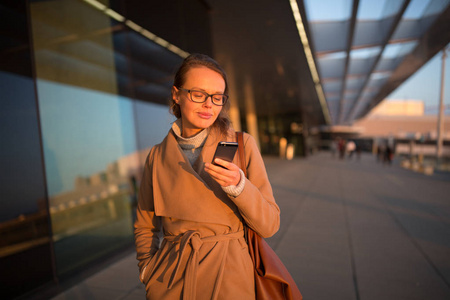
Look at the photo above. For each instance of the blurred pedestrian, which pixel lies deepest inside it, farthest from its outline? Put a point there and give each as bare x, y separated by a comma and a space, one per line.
341, 148
388, 155
350, 147
380, 153
333, 148
358, 151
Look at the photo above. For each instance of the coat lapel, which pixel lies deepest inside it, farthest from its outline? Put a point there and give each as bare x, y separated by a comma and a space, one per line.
188, 192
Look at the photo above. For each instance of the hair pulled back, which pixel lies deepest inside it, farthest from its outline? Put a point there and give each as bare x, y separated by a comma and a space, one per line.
194, 60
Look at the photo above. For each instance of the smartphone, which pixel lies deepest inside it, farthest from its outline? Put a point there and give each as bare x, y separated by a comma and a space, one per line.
225, 151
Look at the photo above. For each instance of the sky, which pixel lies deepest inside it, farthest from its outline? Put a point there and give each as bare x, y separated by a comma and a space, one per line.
425, 85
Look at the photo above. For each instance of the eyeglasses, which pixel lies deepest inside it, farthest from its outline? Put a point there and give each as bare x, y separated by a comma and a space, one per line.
201, 96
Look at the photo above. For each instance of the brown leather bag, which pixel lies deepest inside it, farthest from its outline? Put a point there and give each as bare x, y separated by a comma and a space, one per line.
272, 279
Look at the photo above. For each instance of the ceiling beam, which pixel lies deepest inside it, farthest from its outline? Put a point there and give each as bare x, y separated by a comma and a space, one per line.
311, 49
351, 31
394, 25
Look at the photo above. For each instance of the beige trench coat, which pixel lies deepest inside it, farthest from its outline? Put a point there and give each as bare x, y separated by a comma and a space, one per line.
203, 254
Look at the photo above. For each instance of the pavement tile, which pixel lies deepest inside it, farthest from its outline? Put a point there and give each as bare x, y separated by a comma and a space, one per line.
85, 292
350, 230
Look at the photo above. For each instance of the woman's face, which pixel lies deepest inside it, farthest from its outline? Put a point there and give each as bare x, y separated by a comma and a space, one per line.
197, 116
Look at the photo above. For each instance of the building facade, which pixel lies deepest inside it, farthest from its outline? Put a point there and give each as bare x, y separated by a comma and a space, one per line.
85, 87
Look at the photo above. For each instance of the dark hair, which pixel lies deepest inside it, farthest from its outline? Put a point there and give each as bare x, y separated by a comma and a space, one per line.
222, 122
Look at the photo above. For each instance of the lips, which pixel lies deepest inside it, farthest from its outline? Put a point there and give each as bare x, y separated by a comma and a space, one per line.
204, 115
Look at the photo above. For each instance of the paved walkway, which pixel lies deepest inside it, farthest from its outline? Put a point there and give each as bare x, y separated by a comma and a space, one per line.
350, 230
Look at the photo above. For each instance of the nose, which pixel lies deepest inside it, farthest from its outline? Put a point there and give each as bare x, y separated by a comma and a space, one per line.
208, 102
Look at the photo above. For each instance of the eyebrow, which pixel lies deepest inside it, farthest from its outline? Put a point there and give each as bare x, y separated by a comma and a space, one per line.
203, 90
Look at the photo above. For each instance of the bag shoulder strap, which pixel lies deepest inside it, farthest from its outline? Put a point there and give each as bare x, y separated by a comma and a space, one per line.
240, 140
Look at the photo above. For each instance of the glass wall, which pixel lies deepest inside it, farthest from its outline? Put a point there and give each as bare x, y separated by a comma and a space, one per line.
103, 91
25, 243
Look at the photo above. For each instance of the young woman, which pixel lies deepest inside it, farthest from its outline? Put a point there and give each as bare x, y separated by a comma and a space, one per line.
189, 228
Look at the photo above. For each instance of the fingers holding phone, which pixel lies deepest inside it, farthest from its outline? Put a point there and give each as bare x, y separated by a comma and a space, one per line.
222, 169
225, 173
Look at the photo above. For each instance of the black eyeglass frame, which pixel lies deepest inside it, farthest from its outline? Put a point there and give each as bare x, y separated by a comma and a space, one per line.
225, 96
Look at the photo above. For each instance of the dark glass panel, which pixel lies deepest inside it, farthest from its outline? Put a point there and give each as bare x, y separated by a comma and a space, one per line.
147, 73
88, 132
150, 116
182, 23
329, 36
25, 248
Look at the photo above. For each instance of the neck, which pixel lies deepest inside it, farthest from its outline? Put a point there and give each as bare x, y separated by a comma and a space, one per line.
181, 131
187, 133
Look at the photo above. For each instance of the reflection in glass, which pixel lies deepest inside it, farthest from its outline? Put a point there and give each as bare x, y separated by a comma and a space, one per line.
25, 244
95, 131
90, 155
88, 126
150, 116
25, 251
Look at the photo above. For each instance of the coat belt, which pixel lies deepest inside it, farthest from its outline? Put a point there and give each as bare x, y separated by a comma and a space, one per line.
196, 241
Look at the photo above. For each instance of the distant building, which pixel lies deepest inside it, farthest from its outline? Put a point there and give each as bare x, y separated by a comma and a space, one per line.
401, 119
403, 122
399, 108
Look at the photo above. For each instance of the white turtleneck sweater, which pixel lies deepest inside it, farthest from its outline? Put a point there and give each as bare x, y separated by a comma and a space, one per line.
192, 147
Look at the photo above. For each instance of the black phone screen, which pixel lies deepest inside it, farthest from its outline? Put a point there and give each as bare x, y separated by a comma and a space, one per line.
225, 151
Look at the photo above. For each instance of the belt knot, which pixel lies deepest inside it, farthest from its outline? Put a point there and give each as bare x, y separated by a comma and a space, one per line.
196, 242
194, 238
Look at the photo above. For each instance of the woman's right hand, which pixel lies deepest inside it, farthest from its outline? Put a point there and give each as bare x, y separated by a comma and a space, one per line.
226, 174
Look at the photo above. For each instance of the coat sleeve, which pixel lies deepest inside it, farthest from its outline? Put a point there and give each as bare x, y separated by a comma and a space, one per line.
147, 225
256, 202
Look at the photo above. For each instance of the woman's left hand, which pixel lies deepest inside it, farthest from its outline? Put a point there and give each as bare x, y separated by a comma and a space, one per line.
226, 176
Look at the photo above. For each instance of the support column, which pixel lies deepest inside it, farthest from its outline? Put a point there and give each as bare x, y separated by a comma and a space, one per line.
440, 125
250, 116
234, 112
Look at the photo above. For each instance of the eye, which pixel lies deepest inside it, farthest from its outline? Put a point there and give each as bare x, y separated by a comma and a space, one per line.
197, 94
218, 97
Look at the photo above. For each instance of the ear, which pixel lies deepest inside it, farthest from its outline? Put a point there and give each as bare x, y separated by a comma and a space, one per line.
175, 96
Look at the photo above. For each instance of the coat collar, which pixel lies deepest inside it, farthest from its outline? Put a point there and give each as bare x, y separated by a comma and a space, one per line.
188, 192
